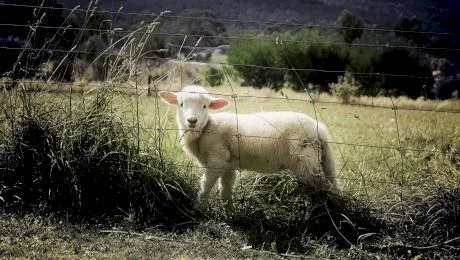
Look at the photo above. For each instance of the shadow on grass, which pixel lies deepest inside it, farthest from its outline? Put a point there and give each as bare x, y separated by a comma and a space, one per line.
288, 222
297, 220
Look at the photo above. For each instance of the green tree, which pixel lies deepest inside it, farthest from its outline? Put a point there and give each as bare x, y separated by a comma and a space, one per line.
406, 73
312, 60
391, 71
304, 55
214, 77
410, 29
351, 28
253, 60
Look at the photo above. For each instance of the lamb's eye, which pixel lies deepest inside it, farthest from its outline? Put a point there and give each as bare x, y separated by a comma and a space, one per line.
204, 106
181, 104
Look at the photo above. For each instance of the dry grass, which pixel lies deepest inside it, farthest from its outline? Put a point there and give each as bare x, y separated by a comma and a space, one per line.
31, 237
385, 157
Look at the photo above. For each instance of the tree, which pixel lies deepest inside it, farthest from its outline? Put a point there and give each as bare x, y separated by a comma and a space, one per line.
391, 71
253, 59
315, 63
410, 29
206, 26
351, 28
261, 62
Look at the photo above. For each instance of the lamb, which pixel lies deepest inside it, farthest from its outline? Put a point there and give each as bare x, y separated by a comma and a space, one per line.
263, 142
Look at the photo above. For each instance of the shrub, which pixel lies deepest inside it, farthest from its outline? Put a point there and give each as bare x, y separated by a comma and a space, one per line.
345, 88
214, 77
449, 88
280, 212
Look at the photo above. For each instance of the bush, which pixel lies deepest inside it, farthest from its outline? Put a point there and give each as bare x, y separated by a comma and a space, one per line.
447, 89
214, 77
345, 88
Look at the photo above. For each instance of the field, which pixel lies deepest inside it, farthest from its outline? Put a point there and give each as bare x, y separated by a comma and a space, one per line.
391, 154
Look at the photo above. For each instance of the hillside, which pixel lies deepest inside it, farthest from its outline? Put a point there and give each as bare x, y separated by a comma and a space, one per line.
381, 12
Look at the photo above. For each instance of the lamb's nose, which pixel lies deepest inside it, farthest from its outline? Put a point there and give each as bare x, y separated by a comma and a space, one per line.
192, 120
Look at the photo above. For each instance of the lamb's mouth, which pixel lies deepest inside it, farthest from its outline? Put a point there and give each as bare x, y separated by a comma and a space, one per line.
191, 125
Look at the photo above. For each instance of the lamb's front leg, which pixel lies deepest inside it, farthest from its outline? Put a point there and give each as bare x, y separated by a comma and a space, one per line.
226, 182
208, 180
217, 166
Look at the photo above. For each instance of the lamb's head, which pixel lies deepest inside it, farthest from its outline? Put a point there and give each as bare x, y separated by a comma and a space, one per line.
193, 104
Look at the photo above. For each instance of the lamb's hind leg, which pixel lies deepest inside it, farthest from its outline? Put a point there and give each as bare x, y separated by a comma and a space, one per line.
306, 165
329, 167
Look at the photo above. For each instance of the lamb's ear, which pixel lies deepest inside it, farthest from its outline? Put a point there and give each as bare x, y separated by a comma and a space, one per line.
218, 103
168, 97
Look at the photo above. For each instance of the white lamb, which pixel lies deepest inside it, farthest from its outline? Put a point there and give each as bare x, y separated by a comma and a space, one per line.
263, 142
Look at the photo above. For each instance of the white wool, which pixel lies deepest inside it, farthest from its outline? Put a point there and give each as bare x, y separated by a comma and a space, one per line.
264, 142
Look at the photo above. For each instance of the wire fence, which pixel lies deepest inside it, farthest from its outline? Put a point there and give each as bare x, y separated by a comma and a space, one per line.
387, 154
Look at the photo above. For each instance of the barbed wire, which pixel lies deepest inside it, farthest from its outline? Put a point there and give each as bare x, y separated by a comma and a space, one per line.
222, 37
232, 20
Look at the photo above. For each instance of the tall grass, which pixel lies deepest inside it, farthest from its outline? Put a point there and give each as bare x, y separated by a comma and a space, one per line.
87, 165
82, 159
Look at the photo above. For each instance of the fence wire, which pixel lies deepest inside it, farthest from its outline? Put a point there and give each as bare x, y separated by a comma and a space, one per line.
161, 129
